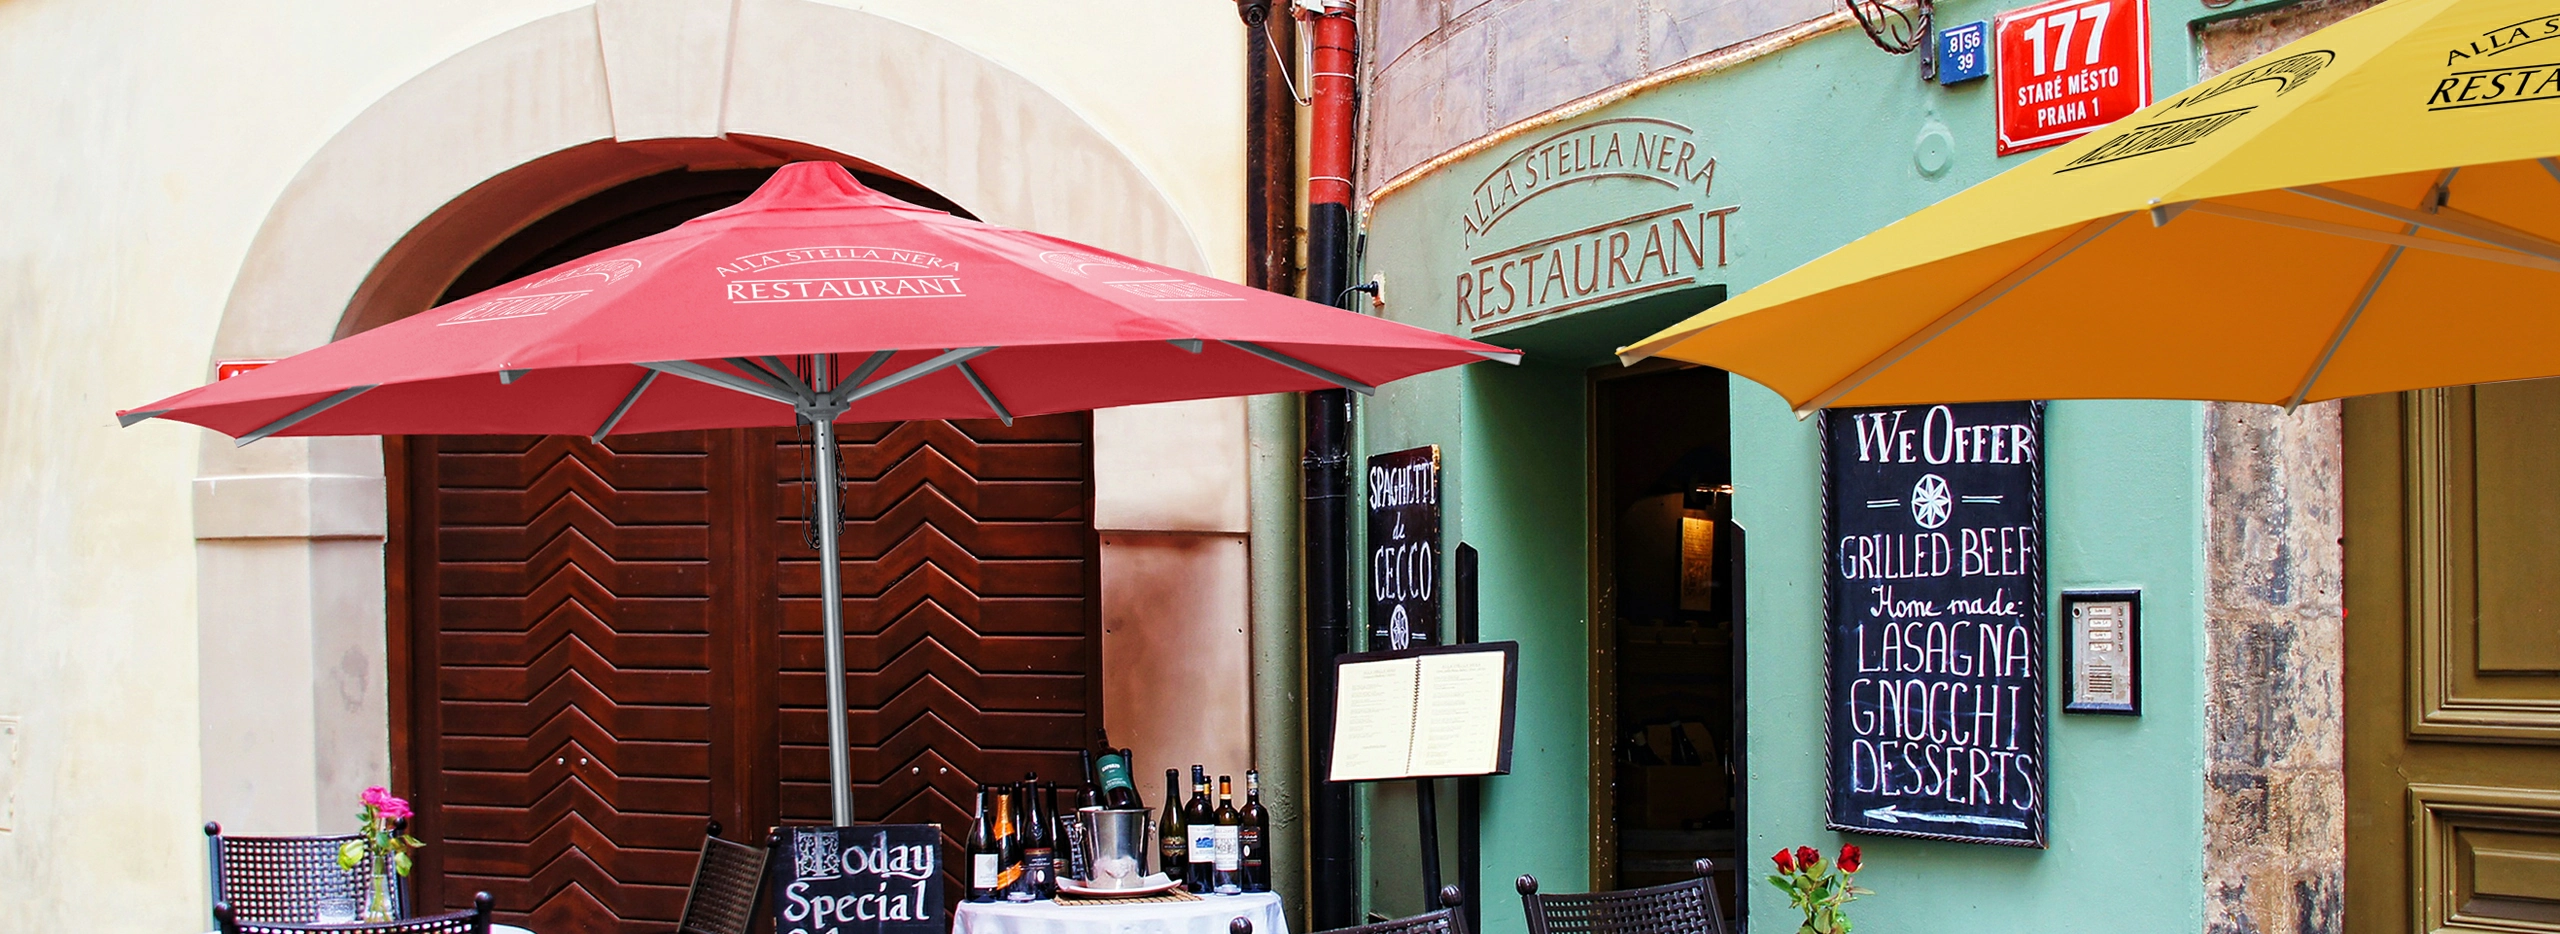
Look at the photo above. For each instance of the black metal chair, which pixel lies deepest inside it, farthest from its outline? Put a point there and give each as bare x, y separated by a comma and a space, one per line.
1449, 918
1679, 908
726, 883
474, 921
285, 880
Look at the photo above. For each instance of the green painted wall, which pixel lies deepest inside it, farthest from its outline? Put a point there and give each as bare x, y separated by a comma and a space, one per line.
1816, 144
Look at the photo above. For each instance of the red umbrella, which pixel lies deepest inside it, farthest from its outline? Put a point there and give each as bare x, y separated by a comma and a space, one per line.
815, 300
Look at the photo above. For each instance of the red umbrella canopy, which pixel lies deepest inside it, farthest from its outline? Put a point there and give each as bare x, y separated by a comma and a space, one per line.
923, 315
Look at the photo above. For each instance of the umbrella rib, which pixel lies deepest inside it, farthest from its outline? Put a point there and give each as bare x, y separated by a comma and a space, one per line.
775, 366
628, 400
2550, 165
2371, 286
1303, 367
844, 389
130, 419
725, 380
757, 372
2350, 231
1955, 316
2458, 223
913, 373
980, 385
1188, 344
305, 412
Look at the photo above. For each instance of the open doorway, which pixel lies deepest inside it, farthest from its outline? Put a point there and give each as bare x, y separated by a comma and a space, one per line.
1666, 661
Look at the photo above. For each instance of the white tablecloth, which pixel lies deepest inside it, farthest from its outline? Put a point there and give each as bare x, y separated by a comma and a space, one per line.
1209, 915
494, 928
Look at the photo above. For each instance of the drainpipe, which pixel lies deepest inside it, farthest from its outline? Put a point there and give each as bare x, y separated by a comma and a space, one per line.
1272, 423
1325, 466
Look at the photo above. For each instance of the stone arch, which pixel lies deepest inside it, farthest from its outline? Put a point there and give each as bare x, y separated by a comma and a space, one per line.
289, 531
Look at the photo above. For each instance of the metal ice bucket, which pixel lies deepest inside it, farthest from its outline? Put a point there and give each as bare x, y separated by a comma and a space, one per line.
1128, 834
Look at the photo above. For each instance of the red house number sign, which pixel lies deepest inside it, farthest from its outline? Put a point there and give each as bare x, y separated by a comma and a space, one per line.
2069, 67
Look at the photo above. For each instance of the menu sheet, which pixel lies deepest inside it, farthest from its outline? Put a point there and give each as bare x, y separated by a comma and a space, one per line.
1433, 713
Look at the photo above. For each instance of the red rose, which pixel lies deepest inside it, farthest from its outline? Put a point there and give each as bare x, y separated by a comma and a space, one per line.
1848, 857
1807, 856
1786, 861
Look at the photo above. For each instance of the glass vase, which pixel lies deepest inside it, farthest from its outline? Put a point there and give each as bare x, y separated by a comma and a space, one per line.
377, 898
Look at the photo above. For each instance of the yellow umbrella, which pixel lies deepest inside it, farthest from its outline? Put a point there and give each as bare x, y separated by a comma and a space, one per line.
2372, 208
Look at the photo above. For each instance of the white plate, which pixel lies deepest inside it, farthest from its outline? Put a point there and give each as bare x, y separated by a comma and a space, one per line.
1072, 887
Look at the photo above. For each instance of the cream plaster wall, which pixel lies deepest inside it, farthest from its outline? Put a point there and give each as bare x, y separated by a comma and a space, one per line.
189, 629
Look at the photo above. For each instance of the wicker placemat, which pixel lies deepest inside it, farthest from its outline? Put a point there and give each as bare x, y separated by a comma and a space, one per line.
1176, 895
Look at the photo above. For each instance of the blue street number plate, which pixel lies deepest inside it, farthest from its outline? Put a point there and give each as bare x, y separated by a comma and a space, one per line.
1964, 53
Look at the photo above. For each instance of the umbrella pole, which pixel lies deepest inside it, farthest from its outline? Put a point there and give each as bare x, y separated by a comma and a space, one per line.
831, 587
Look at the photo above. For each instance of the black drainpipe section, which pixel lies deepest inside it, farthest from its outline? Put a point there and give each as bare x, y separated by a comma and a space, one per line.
1326, 485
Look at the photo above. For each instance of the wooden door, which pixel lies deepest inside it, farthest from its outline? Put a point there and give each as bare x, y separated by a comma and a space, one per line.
2453, 660
601, 647
565, 634
970, 640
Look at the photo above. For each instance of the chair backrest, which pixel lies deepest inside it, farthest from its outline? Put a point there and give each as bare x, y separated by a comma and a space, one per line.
1687, 907
474, 921
285, 880
726, 883
1450, 918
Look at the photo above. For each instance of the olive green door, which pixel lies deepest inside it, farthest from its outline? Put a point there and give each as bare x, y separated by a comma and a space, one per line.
2453, 660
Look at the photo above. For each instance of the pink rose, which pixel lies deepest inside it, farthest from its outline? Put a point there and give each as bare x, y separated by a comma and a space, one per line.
382, 802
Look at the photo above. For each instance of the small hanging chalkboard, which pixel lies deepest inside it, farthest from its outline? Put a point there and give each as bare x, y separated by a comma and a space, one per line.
1404, 549
864, 879
1935, 592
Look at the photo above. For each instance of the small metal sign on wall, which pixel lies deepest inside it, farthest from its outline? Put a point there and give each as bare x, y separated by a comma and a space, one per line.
1404, 549
1935, 600
2068, 67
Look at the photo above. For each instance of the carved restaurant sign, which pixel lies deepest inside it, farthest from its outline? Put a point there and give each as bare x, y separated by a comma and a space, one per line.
1519, 270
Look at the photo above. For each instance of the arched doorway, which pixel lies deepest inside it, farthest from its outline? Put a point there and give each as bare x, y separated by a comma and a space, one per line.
519, 130
599, 647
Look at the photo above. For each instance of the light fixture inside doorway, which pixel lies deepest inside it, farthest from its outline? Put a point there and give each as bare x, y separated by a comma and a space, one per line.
1896, 26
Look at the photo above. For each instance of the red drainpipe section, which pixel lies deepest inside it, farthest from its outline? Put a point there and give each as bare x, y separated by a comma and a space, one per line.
1333, 84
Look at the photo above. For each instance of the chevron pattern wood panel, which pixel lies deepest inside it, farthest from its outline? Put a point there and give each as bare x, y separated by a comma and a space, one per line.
572, 693
610, 644
969, 648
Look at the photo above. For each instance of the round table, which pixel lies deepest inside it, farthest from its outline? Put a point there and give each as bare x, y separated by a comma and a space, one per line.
1209, 915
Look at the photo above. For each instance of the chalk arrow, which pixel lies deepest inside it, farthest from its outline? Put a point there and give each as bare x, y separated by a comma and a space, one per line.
1894, 814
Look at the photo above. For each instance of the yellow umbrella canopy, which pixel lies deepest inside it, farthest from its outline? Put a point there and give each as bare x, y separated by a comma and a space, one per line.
2372, 208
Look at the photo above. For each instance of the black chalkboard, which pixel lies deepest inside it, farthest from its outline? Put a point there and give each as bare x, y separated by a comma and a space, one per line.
1936, 620
1404, 549
864, 879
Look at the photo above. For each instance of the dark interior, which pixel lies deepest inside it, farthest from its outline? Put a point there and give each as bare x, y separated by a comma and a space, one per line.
1665, 472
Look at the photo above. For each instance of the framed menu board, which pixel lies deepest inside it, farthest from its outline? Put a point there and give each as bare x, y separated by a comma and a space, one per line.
1936, 621
1433, 712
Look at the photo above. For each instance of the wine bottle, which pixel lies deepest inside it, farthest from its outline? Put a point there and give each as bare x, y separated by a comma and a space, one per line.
1252, 828
1009, 845
1117, 790
1173, 840
986, 859
1039, 842
1129, 765
1202, 821
1070, 837
1226, 864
